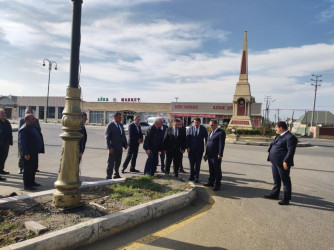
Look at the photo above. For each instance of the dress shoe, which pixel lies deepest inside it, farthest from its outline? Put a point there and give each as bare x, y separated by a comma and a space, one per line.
20, 171
283, 202
196, 181
134, 170
36, 184
191, 179
216, 188
30, 188
4, 172
208, 184
117, 176
2, 179
108, 177
163, 170
37, 170
182, 171
271, 197
123, 170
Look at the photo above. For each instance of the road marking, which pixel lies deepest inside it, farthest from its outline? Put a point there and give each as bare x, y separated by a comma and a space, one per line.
154, 236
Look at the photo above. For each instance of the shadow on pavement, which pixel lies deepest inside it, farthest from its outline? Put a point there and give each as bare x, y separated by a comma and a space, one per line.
231, 189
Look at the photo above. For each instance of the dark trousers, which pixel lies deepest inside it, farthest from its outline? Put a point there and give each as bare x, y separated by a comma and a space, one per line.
176, 157
215, 171
131, 156
151, 163
114, 161
281, 175
3, 155
162, 160
195, 159
30, 167
21, 162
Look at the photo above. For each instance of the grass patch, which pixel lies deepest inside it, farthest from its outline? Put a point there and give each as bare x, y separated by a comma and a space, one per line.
139, 190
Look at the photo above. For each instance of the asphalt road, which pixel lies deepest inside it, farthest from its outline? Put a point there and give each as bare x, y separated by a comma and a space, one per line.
237, 217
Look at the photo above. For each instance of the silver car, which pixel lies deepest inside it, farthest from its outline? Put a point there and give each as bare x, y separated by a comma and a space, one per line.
144, 127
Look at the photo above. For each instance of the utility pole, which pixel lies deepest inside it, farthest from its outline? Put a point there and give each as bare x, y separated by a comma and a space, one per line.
268, 101
315, 93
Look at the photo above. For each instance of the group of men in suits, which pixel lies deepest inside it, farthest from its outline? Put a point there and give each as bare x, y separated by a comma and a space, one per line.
175, 141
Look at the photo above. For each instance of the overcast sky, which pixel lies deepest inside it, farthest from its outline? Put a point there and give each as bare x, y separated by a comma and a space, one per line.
157, 50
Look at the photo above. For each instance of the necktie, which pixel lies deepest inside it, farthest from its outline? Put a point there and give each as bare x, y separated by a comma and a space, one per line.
119, 127
175, 134
197, 131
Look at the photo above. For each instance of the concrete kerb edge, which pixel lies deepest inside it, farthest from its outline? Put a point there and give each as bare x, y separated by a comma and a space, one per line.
87, 232
50, 191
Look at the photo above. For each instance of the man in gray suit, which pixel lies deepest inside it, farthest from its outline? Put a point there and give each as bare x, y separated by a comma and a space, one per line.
116, 140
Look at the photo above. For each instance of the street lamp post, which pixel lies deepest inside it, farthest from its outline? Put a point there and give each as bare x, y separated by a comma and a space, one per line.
67, 192
47, 96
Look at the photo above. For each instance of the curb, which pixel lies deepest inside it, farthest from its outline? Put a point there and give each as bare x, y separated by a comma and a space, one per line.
254, 143
99, 228
50, 191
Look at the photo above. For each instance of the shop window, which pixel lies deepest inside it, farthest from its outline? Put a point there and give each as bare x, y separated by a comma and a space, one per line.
206, 120
96, 117
60, 112
22, 111
41, 112
51, 112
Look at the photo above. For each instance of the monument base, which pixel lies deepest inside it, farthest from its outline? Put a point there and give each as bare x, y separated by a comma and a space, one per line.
240, 122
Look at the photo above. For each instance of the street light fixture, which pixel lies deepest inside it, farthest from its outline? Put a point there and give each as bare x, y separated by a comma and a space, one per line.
47, 97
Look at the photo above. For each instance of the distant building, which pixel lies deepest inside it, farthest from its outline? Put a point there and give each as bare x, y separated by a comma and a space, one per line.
320, 118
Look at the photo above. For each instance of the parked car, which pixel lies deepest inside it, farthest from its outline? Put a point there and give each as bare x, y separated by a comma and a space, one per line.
144, 127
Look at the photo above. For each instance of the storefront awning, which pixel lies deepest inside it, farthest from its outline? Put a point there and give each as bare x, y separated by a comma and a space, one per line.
191, 115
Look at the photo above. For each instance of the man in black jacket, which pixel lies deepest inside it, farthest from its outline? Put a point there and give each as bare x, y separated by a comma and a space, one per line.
135, 138
30, 144
214, 152
38, 126
6, 140
174, 145
281, 152
153, 146
82, 143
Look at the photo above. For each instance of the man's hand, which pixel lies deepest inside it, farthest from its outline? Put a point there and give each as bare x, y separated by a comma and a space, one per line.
219, 157
140, 141
285, 165
188, 150
126, 147
80, 155
182, 151
148, 152
27, 157
111, 150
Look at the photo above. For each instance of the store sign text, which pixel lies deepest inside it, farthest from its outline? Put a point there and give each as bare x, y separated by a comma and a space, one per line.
103, 99
222, 107
180, 106
130, 99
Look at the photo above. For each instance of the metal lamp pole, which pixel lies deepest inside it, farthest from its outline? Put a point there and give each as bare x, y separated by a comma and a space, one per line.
47, 96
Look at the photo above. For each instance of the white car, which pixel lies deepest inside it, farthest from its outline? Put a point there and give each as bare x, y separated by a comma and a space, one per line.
144, 127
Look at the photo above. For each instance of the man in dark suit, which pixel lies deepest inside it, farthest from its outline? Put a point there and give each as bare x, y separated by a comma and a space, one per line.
153, 146
82, 143
36, 125
30, 144
281, 152
6, 140
162, 154
214, 153
174, 144
135, 138
116, 140
181, 170
196, 135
